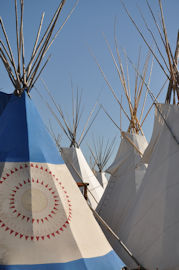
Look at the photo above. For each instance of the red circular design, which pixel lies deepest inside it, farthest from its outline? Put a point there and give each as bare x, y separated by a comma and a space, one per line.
44, 222
28, 218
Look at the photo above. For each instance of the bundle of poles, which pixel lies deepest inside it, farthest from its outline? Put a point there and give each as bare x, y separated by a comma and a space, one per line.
24, 76
170, 69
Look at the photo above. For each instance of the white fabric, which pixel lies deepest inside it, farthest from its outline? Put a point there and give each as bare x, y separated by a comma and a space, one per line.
153, 234
101, 176
42, 212
81, 171
127, 173
158, 124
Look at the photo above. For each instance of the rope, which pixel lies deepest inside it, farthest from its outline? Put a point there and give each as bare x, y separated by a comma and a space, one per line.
116, 236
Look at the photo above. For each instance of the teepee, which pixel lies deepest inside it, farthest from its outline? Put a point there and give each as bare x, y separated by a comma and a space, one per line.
72, 155
101, 152
127, 170
45, 222
153, 232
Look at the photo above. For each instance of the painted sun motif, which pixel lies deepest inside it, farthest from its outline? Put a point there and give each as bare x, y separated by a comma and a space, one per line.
34, 204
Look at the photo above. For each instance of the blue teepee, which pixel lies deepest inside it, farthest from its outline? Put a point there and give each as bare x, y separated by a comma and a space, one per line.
45, 222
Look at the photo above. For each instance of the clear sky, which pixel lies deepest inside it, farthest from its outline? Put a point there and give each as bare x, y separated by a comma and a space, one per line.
72, 61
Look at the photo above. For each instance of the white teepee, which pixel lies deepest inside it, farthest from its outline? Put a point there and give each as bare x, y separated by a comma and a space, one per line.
152, 227
127, 170
73, 155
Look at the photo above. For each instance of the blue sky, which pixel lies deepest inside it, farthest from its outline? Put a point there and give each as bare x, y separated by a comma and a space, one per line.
72, 61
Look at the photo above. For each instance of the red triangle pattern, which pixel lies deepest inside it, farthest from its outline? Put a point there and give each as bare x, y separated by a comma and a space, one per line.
19, 215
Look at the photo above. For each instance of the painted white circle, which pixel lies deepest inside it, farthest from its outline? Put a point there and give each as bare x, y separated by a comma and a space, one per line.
34, 200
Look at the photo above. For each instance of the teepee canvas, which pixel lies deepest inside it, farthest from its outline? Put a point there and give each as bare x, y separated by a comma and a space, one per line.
153, 232
4, 98
127, 170
42, 212
45, 222
101, 176
155, 211
127, 174
81, 171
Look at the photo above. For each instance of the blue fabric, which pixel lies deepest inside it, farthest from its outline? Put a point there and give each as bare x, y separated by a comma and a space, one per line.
23, 136
109, 261
4, 98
